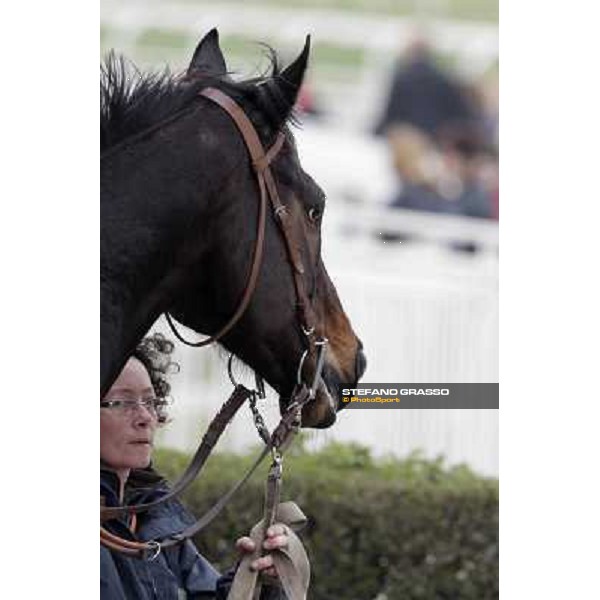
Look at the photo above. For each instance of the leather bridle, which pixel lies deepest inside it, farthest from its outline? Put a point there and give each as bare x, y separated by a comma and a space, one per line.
279, 440
261, 162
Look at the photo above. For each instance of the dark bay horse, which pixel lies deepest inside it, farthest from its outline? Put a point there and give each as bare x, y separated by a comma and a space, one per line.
179, 207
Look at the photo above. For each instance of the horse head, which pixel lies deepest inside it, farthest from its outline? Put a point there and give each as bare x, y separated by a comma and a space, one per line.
187, 188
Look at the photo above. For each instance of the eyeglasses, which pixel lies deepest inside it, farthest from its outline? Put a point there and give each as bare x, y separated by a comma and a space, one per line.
156, 406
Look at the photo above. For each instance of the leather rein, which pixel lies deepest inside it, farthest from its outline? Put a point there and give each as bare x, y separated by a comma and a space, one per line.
277, 442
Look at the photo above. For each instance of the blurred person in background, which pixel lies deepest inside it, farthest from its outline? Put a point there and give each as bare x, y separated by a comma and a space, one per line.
436, 128
426, 183
130, 414
466, 156
424, 95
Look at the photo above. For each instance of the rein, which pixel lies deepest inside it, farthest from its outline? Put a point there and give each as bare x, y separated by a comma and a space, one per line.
294, 570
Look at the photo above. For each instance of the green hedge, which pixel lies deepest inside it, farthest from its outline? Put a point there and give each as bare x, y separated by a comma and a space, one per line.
387, 529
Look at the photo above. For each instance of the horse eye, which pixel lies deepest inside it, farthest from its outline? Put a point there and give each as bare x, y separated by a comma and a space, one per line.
314, 214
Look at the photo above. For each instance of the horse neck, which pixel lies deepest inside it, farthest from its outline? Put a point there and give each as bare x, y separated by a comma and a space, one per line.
127, 313
151, 217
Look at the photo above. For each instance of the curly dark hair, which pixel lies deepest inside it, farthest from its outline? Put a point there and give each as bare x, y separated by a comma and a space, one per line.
154, 352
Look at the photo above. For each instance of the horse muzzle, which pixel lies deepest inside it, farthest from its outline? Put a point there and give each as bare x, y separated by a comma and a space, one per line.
321, 413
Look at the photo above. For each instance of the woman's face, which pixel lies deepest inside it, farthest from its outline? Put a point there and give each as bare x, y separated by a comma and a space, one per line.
126, 436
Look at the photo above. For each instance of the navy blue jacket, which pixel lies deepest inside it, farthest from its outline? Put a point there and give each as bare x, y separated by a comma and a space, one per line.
177, 573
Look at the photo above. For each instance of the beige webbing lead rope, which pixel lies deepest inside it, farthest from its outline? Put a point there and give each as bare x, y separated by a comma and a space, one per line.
291, 563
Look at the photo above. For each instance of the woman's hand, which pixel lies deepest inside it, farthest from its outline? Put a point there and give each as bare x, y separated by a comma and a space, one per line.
277, 537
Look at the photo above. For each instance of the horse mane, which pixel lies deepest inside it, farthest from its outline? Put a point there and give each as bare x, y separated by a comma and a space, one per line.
132, 102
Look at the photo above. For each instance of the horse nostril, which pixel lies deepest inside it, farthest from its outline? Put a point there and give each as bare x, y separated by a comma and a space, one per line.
361, 362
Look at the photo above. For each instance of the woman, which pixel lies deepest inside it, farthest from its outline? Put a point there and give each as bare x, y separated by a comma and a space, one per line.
130, 413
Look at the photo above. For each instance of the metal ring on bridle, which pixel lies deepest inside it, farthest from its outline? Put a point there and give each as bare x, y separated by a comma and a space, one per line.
230, 370
154, 550
307, 332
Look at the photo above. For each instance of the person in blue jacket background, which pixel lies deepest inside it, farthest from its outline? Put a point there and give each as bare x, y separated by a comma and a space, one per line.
130, 413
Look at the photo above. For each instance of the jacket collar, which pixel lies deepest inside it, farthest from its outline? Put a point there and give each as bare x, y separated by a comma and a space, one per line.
142, 485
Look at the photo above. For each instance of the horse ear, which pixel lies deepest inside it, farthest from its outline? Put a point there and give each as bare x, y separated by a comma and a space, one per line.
208, 56
289, 81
